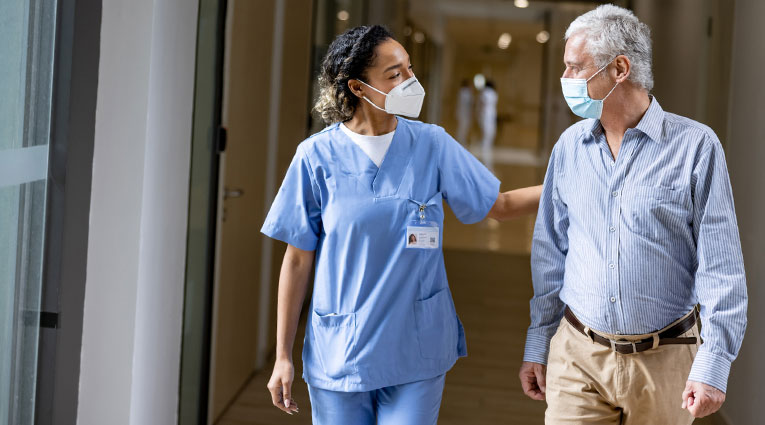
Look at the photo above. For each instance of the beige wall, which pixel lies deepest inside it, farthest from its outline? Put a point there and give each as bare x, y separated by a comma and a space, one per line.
746, 155
691, 54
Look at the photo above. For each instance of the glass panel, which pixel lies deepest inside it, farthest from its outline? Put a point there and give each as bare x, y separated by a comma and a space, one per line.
27, 29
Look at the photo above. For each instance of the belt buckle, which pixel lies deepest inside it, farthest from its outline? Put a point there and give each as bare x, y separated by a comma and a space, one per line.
623, 343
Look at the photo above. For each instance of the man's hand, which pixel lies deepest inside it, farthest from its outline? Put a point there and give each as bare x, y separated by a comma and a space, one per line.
701, 399
280, 386
533, 380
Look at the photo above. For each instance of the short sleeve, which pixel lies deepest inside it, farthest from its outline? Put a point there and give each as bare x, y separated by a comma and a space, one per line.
295, 215
468, 186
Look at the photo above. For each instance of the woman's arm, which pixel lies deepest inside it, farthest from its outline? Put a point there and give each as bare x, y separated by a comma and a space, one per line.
516, 203
293, 283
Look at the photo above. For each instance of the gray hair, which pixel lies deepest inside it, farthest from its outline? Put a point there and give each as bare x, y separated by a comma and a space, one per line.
611, 31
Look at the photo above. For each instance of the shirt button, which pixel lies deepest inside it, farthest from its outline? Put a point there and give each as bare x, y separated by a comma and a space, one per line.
611, 266
614, 194
613, 299
612, 229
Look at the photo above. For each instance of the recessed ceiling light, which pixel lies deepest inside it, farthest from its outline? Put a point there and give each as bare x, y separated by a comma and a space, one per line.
543, 36
521, 3
343, 15
504, 41
479, 81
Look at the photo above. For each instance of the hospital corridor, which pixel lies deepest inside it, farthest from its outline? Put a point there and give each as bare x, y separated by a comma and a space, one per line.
187, 186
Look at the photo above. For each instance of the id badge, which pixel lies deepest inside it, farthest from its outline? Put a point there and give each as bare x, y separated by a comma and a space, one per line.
422, 234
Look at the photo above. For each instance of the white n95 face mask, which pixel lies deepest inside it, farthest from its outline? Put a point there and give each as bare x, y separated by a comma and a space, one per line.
404, 99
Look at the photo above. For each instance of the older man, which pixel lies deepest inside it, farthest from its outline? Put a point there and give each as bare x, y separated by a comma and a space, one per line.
636, 228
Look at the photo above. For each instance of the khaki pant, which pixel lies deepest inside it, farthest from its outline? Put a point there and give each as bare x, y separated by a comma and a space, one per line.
588, 383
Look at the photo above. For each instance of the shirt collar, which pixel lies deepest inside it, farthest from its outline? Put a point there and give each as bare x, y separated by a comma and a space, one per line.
651, 124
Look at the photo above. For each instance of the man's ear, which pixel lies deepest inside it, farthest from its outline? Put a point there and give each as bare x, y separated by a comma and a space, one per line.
623, 68
355, 86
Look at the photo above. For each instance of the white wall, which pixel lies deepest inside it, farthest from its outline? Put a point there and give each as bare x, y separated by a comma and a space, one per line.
137, 240
746, 156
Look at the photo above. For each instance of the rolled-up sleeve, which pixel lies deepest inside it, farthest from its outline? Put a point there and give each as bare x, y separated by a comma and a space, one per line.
295, 215
720, 280
548, 258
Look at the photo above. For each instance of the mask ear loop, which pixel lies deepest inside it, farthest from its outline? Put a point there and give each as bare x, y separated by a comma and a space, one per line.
588, 80
378, 91
612, 90
591, 76
372, 103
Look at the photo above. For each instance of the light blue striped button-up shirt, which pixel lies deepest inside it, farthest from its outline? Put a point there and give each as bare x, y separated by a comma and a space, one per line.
633, 244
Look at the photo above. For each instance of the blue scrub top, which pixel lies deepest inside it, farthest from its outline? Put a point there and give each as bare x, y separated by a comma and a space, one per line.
381, 313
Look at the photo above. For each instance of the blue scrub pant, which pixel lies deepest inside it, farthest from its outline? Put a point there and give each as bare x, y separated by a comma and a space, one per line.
415, 403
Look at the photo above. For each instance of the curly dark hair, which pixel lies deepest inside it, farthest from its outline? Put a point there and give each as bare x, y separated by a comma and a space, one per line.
348, 57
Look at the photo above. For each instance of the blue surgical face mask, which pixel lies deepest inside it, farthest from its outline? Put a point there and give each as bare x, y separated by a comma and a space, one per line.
580, 102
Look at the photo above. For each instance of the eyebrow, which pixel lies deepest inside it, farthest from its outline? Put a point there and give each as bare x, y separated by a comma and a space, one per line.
390, 68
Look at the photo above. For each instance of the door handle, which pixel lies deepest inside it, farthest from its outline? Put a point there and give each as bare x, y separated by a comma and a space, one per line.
232, 193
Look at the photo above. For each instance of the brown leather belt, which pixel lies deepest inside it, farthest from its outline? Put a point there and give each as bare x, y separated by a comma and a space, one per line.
668, 336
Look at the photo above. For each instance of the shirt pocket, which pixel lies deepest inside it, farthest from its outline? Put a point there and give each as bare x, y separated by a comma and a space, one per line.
335, 337
656, 212
436, 323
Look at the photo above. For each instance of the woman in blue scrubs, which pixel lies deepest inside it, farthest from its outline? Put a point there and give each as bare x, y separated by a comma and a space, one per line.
361, 206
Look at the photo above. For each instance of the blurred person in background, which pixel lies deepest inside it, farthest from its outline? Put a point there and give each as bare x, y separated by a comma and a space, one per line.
464, 111
383, 330
636, 228
487, 117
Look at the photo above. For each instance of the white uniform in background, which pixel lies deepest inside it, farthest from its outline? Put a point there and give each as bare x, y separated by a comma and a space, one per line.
464, 114
488, 121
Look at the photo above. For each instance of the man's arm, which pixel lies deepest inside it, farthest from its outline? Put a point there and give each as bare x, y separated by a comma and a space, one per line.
720, 281
548, 256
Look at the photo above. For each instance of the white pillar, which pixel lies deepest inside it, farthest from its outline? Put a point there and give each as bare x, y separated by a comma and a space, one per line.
137, 237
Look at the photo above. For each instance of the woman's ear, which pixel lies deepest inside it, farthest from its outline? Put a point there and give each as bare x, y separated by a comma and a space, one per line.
623, 68
355, 86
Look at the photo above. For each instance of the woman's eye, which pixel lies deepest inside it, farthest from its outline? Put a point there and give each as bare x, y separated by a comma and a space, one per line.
398, 74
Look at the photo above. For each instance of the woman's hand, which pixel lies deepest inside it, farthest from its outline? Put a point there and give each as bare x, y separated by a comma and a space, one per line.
293, 282
280, 386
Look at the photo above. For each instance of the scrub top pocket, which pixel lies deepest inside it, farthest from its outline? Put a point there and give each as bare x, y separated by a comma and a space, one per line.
436, 324
335, 334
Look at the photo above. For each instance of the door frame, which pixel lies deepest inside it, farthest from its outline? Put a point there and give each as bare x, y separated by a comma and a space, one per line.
208, 141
